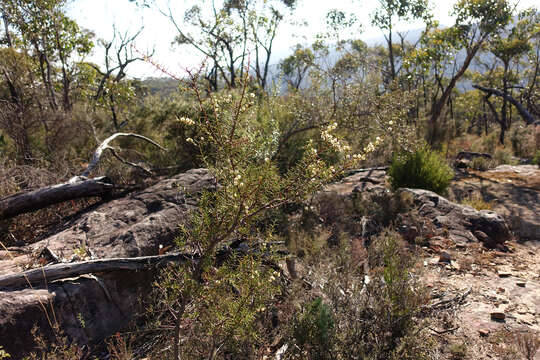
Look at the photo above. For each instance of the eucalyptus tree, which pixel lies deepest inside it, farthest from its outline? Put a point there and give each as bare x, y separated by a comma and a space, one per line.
388, 14
43, 30
39, 72
509, 49
112, 89
234, 36
296, 66
451, 50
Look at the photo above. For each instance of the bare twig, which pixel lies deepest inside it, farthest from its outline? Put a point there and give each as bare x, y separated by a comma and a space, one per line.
447, 303
124, 161
105, 145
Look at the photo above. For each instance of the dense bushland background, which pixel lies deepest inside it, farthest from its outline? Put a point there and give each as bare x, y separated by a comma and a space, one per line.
327, 107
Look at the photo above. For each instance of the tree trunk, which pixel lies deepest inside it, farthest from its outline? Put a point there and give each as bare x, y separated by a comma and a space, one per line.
391, 55
439, 105
6, 29
505, 121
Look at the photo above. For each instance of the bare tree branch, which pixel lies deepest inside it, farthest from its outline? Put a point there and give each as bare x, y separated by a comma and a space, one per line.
527, 117
105, 145
124, 161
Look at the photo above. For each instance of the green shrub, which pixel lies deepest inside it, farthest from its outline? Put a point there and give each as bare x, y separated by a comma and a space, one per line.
374, 309
536, 158
504, 156
458, 351
481, 164
314, 330
423, 169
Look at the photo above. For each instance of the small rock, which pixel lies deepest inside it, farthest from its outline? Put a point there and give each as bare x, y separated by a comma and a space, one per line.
498, 316
455, 265
445, 257
500, 290
521, 283
483, 332
482, 236
409, 233
503, 273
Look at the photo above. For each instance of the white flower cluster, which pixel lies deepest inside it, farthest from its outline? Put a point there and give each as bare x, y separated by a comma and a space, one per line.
356, 157
186, 121
332, 140
237, 180
372, 145
314, 168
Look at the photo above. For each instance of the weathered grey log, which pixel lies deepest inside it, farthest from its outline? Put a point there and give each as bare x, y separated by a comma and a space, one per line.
469, 155
50, 273
20, 203
77, 187
527, 116
356, 171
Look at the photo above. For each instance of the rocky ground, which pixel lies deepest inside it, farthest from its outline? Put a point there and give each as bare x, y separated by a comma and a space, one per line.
92, 307
511, 191
491, 294
502, 288
483, 276
482, 268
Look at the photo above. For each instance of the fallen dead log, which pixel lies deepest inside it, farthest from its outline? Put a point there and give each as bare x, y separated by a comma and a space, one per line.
46, 274
470, 155
356, 171
20, 203
77, 187
50, 273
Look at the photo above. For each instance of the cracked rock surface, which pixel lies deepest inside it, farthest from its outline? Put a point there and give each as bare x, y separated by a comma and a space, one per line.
91, 307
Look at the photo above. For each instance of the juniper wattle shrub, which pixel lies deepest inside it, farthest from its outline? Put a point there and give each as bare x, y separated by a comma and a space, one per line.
212, 304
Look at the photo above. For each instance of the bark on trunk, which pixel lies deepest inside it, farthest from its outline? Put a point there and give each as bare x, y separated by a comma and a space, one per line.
439, 105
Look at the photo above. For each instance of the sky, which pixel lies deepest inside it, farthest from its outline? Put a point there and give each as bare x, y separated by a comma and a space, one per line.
158, 33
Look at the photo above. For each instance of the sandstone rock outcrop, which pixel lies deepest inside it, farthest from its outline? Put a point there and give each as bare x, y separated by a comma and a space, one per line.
457, 222
463, 223
91, 307
513, 191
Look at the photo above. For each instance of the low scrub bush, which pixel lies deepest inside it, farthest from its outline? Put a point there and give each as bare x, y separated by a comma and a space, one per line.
458, 351
314, 330
477, 202
504, 156
482, 164
361, 312
424, 169
536, 158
